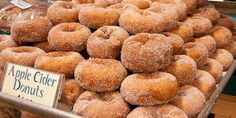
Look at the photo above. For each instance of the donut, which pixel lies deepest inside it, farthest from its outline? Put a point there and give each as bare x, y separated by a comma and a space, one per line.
96, 17
63, 11
25, 114
205, 82
101, 105
100, 75
184, 31
59, 62
224, 57
140, 21
226, 21
211, 13
68, 37
44, 46
6, 42
141, 4
71, 91
32, 30
149, 88
162, 111
231, 47
191, 5
213, 67
146, 52
106, 42
83, 1
184, 68
167, 12
202, 2
23, 55
106, 3
176, 40
8, 112
208, 41
201, 25
222, 35
197, 51
190, 100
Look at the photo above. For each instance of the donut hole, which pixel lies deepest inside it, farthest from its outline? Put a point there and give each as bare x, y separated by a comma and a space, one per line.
22, 50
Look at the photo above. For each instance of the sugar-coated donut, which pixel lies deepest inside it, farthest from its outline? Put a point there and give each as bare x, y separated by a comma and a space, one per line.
71, 91
106, 42
32, 30
184, 68
205, 82
197, 51
162, 111
44, 46
23, 55
208, 41
231, 47
83, 1
106, 3
191, 5
224, 57
176, 40
226, 21
201, 25
222, 35
211, 13
8, 112
141, 4
146, 52
25, 114
63, 11
168, 13
6, 42
184, 31
60, 62
139, 21
213, 67
96, 17
190, 100
68, 37
100, 75
149, 88
202, 2
101, 105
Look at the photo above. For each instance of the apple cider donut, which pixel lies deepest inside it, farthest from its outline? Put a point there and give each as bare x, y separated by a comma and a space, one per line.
141, 4
184, 31
149, 88
6, 42
146, 52
211, 13
68, 37
184, 68
208, 41
231, 47
106, 42
63, 11
222, 35
177, 42
60, 62
101, 105
191, 5
44, 46
100, 75
226, 21
23, 55
224, 57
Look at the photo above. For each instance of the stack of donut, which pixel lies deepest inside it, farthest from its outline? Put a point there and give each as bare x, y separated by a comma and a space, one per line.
127, 58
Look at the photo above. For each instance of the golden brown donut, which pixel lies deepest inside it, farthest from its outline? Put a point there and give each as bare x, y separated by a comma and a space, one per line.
184, 68
205, 83
25, 114
167, 12
106, 42
141, 4
197, 51
191, 5
96, 17
162, 111
101, 105
231, 47
208, 41
146, 52
176, 40
149, 88
224, 57
139, 21
6, 42
68, 37
100, 75
226, 21
222, 35
106, 3
184, 31
213, 67
63, 11
60, 62
71, 91
23, 55
44, 46
201, 25
190, 100
211, 13
32, 30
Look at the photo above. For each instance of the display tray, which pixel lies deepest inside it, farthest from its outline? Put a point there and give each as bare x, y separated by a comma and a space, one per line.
62, 111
